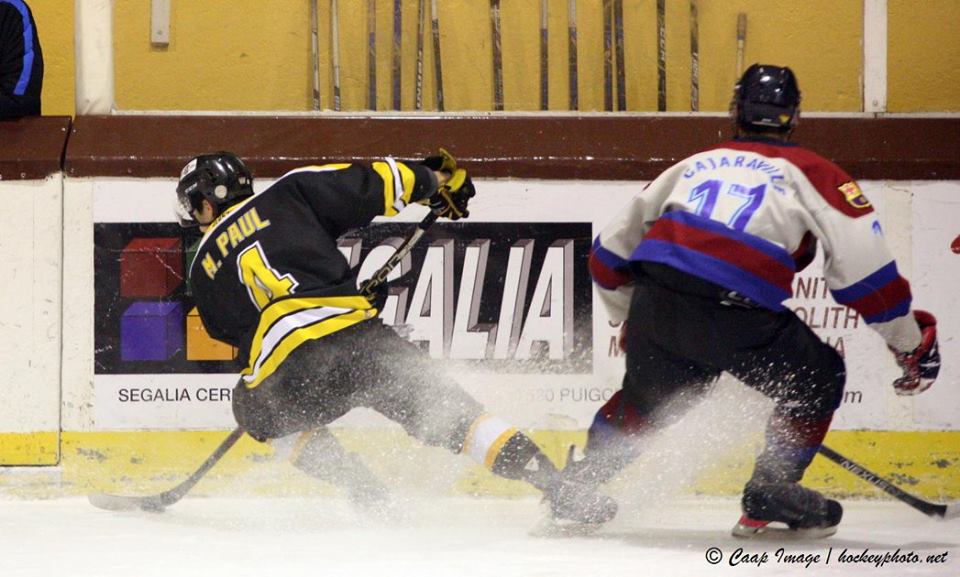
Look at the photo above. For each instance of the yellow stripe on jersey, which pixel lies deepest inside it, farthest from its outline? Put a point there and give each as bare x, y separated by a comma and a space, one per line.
320, 168
398, 181
288, 323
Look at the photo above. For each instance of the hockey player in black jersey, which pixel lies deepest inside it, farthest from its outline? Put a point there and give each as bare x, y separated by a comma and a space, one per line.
269, 279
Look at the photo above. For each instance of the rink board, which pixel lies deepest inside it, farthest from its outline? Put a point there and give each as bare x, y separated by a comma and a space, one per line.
923, 463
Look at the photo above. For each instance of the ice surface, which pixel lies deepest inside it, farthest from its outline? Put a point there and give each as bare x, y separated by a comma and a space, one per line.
450, 536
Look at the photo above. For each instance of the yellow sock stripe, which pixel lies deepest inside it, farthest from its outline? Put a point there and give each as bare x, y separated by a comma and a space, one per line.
485, 438
283, 307
471, 432
296, 338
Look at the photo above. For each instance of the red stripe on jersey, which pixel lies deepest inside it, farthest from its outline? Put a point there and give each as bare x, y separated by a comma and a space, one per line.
832, 182
883, 299
605, 276
728, 250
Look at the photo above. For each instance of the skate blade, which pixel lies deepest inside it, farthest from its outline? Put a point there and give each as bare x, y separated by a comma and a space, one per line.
553, 528
763, 530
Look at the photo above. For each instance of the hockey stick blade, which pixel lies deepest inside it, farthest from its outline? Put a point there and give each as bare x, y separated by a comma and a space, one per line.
157, 503
152, 503
937, 510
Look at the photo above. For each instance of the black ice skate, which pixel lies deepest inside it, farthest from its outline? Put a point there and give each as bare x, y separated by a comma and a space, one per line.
805, 512
579, 503
575, 509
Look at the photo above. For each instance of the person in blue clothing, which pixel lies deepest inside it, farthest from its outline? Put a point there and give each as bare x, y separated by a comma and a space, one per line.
21, 61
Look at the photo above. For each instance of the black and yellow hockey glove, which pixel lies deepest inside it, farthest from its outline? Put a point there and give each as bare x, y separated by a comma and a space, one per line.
450, 200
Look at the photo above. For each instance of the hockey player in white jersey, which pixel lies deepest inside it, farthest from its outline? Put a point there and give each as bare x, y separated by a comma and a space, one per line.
698, 266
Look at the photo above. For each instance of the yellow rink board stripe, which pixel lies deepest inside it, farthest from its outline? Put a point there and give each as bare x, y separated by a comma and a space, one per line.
29, 449
923, 463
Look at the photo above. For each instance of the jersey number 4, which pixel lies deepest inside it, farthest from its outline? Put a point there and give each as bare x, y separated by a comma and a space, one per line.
263, 282
707, 192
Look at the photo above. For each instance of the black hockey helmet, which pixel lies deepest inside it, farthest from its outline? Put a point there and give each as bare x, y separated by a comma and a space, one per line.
766, 98
221, 178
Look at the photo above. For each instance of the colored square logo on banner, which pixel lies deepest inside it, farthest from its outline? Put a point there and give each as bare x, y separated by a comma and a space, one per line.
151, 267
201, 346
151, 331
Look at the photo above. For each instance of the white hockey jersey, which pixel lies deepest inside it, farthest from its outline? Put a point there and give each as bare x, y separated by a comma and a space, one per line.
747, 216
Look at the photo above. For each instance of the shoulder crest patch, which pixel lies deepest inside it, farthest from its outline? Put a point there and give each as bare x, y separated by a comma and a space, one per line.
851, 191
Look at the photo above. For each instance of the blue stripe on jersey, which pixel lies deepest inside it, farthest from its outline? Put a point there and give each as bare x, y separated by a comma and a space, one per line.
900, 309
608, 258
770, 249
712, 269
871, 284
28, 32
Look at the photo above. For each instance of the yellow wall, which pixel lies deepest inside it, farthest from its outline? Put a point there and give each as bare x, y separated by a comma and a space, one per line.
924, 57
55, 26
255, 54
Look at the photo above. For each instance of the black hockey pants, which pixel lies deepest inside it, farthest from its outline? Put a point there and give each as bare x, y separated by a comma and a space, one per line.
682, 332
365, 365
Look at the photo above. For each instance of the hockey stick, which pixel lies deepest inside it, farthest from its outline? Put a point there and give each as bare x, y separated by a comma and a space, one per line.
335, 51
661, 57
397, 37
741, 41
380, 276
160, 501
157, 503
437, 69
372, 54
618, 48
315, 54
572, 52
608, 55
418, 95
951, 511
694, 57
544, 56
497, 55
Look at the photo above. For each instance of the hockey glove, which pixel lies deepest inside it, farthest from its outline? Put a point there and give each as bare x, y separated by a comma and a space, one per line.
922, 365
450, 200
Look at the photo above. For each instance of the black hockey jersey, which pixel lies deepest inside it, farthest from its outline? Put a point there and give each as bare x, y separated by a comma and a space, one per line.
268, 275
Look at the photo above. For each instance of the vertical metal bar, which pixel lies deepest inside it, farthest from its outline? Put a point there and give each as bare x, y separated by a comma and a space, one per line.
741, 41
618, 44
437, 68
572, 52
397, 47
694, 57
372, 54
544, 55
315, 55
418, 95
661, 57
497, 55
335, 51
607, 55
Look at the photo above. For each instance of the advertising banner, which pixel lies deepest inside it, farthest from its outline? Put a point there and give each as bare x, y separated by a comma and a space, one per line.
504, 300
